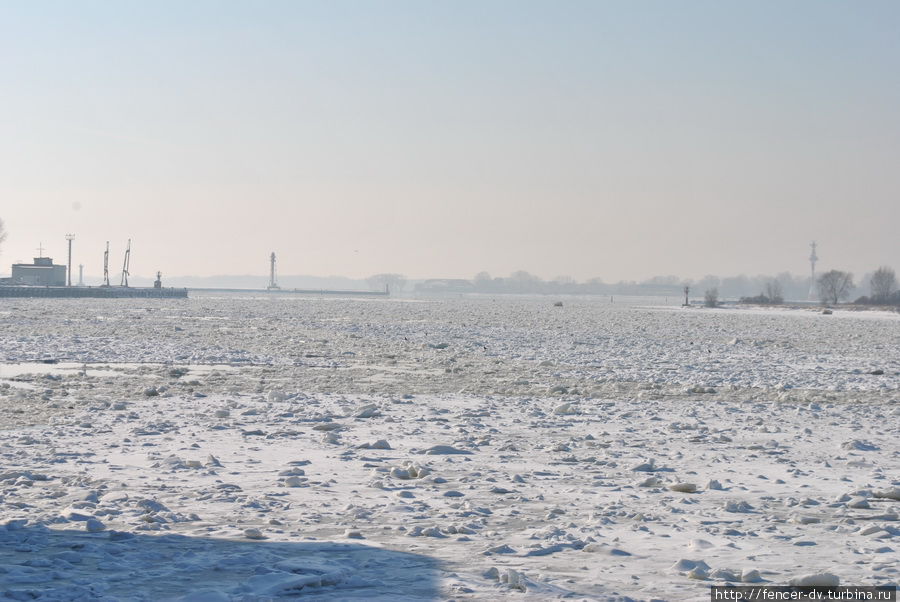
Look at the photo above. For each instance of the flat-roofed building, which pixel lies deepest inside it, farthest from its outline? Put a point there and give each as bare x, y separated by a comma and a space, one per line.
41, 273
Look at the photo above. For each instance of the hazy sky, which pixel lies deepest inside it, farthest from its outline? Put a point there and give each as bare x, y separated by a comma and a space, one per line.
610, 139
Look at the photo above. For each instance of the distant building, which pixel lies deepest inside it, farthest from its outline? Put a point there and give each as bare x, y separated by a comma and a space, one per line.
41, 273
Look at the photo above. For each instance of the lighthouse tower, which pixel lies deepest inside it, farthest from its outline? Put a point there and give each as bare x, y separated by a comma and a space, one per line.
273, 284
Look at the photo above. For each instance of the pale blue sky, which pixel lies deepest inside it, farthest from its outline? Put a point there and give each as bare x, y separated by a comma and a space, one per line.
610, 139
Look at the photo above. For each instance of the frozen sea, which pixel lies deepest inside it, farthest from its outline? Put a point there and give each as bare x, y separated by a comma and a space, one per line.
240, 447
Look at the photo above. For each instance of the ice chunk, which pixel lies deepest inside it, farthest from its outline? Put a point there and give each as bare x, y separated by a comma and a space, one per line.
253, 534
684, 487
750, 576
891, 494
650, 482
367, 411
724, 575
286, 584
514, 579
151, 506
816, 580
380, 444
501, 549
684, 565
858, 445
602, 548
648, 465
698, 572
436, 450
732, 506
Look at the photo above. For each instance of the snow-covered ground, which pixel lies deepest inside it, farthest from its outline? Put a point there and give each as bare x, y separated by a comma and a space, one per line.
230, 448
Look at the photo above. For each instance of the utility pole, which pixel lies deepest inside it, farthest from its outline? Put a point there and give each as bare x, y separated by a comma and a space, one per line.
70, 238
80, 274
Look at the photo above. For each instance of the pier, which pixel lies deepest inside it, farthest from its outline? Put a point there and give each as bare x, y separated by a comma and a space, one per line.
97, 292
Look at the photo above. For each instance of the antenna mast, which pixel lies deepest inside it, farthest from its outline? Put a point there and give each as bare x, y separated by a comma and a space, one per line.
70, 238
813, 258
125, 264
106, 265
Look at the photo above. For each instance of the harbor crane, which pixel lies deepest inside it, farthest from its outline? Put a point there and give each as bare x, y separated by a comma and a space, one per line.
106, 265
125, 264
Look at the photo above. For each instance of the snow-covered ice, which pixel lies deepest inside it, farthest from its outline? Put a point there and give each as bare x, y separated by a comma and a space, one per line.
232, 447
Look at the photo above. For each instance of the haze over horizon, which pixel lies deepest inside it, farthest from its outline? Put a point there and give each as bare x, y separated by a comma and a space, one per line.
613, 140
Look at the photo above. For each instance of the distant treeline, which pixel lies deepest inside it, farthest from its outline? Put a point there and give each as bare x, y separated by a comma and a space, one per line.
892, 299
836, 286
755, 289
521, 282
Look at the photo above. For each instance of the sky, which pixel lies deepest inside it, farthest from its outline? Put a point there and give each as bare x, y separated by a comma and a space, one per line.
610, 139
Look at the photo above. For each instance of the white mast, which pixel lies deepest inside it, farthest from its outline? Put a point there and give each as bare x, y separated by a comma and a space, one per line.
813, 258
69, 237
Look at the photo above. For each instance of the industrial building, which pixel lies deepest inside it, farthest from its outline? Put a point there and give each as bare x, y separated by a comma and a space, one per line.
41, 273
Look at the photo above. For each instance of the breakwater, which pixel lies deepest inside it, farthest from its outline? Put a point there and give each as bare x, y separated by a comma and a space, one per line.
101, 292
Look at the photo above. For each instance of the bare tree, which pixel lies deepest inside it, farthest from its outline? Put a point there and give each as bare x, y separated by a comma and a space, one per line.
483, 282
774, 293
882, 284
711, 297
2, 231
835, 285
390, 282
707, 282
523, 282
